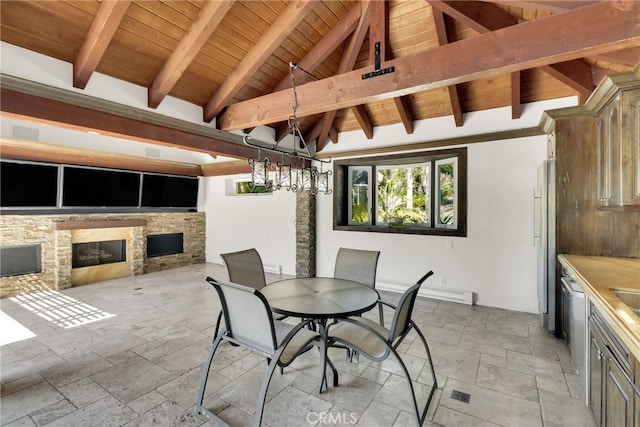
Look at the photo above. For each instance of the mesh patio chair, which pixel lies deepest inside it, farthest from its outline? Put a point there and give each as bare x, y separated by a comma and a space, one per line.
245, 268
249, 324
359, 266
376, 342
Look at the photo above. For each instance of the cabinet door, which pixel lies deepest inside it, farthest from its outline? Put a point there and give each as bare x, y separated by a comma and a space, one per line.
609, 154
619, 397
596, 362
630, 148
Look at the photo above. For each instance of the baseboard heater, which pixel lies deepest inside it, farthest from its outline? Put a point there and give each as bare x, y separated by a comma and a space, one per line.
445, 294
272, 268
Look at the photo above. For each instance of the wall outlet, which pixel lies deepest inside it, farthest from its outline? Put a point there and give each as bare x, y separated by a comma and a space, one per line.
443, 281
450, 245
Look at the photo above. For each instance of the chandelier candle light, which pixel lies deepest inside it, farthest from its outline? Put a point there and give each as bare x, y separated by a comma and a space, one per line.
287, 175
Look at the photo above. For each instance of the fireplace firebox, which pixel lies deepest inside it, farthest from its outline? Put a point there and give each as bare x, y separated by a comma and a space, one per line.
98, 253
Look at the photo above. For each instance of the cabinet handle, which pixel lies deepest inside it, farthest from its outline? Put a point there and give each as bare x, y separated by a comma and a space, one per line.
599, 355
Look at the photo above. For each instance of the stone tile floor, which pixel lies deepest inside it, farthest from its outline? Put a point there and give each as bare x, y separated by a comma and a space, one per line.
130, 352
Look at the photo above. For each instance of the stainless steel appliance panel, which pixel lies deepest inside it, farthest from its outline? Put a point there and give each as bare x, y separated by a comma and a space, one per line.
545, 235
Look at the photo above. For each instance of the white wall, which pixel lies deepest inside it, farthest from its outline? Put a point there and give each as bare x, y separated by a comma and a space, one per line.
497, 259
266, 222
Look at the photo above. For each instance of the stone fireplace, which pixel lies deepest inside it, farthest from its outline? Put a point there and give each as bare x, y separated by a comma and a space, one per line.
101, 250
59, 237
90, 254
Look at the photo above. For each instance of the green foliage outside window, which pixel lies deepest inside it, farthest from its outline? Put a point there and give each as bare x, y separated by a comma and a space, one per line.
396, 204
447, 193
243, 187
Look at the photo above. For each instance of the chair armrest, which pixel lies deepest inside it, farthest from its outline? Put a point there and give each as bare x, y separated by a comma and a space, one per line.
295, 330
388, 304
358, 323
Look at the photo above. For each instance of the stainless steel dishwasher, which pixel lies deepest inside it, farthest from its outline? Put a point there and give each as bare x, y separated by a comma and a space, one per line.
576, 320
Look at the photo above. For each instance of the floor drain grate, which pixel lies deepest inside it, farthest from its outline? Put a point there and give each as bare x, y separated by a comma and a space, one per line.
462, 397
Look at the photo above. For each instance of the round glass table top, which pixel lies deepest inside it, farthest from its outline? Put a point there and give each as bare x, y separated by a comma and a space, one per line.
319, 297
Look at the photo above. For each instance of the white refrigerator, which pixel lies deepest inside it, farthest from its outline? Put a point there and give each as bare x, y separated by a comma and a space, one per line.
544, 239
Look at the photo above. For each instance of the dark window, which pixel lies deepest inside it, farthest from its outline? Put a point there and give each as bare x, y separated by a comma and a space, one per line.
99, 187
165, 244
415, 193
169, 191
18, 260
28, 185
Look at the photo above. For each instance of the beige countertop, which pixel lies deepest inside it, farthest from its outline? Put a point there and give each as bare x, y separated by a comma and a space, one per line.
598, 276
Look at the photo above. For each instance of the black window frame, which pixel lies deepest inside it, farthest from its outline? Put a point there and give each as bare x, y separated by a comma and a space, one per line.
341, 192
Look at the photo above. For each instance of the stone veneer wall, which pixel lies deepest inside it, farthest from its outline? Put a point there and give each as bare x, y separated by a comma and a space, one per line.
56, 245
305, 234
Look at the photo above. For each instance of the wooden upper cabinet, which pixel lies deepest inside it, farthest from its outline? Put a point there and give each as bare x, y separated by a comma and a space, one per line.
619, 151
609, 154
630, 148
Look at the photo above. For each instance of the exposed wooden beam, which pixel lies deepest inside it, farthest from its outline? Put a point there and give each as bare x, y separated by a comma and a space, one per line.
627, 57
378, 30
576, 74
21, 149
515, 95
553, 6
347, 62
259, 53
103, 27
405, 115
83, 114
379, 36
484, 18
454, 90
478, 16
205, 24
590, 30
363, 120
225, 168
314, 132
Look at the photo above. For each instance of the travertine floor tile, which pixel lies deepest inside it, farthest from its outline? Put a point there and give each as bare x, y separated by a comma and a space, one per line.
143, 366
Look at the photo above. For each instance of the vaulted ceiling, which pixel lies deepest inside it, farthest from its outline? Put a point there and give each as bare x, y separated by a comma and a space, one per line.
360, 64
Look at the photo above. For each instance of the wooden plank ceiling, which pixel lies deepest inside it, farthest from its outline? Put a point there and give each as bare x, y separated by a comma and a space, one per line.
232, 57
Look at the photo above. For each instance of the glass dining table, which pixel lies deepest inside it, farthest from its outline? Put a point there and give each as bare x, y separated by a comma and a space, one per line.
320, 299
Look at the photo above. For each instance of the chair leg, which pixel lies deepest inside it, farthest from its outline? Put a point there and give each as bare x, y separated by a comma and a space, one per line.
426, 347
265, 386
420, 416
205, 373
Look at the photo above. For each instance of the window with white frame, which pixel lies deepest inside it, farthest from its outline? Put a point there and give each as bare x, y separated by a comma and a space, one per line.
417, 193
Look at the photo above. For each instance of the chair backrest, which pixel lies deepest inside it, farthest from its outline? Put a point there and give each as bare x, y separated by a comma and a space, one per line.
402, 314
245, 268
247, 315
358, 265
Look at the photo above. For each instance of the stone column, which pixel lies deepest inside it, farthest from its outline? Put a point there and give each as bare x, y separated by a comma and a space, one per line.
305, 234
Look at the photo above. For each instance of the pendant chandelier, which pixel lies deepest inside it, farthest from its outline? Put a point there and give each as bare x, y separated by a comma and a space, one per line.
296, 170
